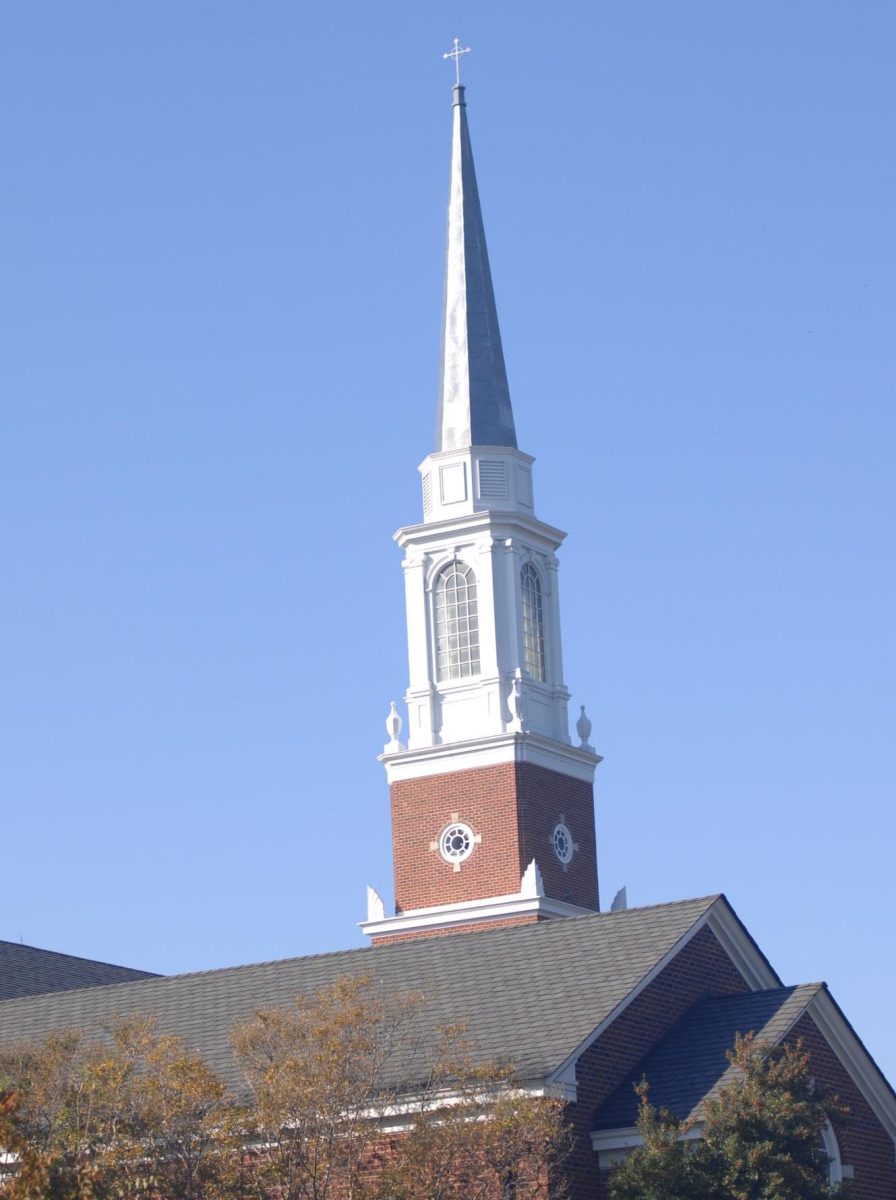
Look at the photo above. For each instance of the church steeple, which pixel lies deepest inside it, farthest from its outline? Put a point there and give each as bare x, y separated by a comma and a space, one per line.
474, 397
492, 806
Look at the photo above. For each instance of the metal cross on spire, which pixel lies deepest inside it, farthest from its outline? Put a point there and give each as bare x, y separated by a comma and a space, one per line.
455, 54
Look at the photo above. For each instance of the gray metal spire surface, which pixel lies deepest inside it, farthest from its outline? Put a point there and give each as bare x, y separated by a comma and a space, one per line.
474, 397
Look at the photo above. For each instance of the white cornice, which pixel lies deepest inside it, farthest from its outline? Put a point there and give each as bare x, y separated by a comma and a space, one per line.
400, 1115
612, 1145
498, 523
488, 752
447, 455
471, 912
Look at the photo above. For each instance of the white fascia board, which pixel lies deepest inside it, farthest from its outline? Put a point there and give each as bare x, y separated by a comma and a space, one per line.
616, 1139
565, 1084
497, 523
628, 1138
756, 972
470, 912
488, 752
741, 949
399, 1116
855, 1059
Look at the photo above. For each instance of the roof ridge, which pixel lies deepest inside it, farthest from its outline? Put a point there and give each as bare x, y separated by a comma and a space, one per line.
102, 962
708, 899
158, 979
785, 987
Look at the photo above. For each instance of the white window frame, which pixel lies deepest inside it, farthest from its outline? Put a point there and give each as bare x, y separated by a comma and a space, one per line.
465, 610
535, 648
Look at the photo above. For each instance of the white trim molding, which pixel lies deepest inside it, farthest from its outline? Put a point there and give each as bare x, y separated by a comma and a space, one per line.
400, 1115
838, 1172
472, 912
732, 936
488, 752
543, 536
613, 1145
856, 1060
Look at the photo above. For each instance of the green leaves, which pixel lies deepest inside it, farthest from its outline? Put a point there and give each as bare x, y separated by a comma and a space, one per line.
761, 1137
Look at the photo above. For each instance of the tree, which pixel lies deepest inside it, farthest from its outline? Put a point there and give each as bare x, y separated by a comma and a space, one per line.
181, 1130
319, 1072
59, 1114
340, 1110
132, 1115
761, 1137
37, 1174
668, 1166
475, 1134
349, 1095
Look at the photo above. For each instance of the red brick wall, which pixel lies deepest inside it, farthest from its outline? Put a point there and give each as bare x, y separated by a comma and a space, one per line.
514, 807
701, 969
543, 797
864, 1144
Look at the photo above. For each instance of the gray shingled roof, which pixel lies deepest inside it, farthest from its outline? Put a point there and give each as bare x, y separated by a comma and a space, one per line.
689, 1064
27, 971
529, 994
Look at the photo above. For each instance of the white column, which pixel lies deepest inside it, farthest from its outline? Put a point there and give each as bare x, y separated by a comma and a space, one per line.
419, 698
489, 621
552, 620
504, 607
554, 649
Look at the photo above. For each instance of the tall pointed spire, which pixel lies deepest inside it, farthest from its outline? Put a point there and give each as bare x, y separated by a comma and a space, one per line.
474, 397
492, 806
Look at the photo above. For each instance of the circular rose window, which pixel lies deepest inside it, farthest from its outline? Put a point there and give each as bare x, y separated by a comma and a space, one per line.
456, 843
561, 840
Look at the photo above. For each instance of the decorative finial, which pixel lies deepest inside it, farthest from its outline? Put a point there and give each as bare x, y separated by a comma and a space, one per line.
583, 729
376, 909
517, 703
393, 728
455, 54
532, 883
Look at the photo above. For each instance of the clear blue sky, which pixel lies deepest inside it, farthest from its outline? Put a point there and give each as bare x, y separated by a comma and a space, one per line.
221, 287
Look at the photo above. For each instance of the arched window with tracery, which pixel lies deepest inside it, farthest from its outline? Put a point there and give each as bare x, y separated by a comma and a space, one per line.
831, 1150
457, 622
533, 623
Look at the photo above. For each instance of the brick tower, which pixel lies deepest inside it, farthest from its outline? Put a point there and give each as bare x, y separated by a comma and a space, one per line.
492, 806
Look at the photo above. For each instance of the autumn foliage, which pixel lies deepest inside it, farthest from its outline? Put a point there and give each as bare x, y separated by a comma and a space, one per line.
344, 1095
